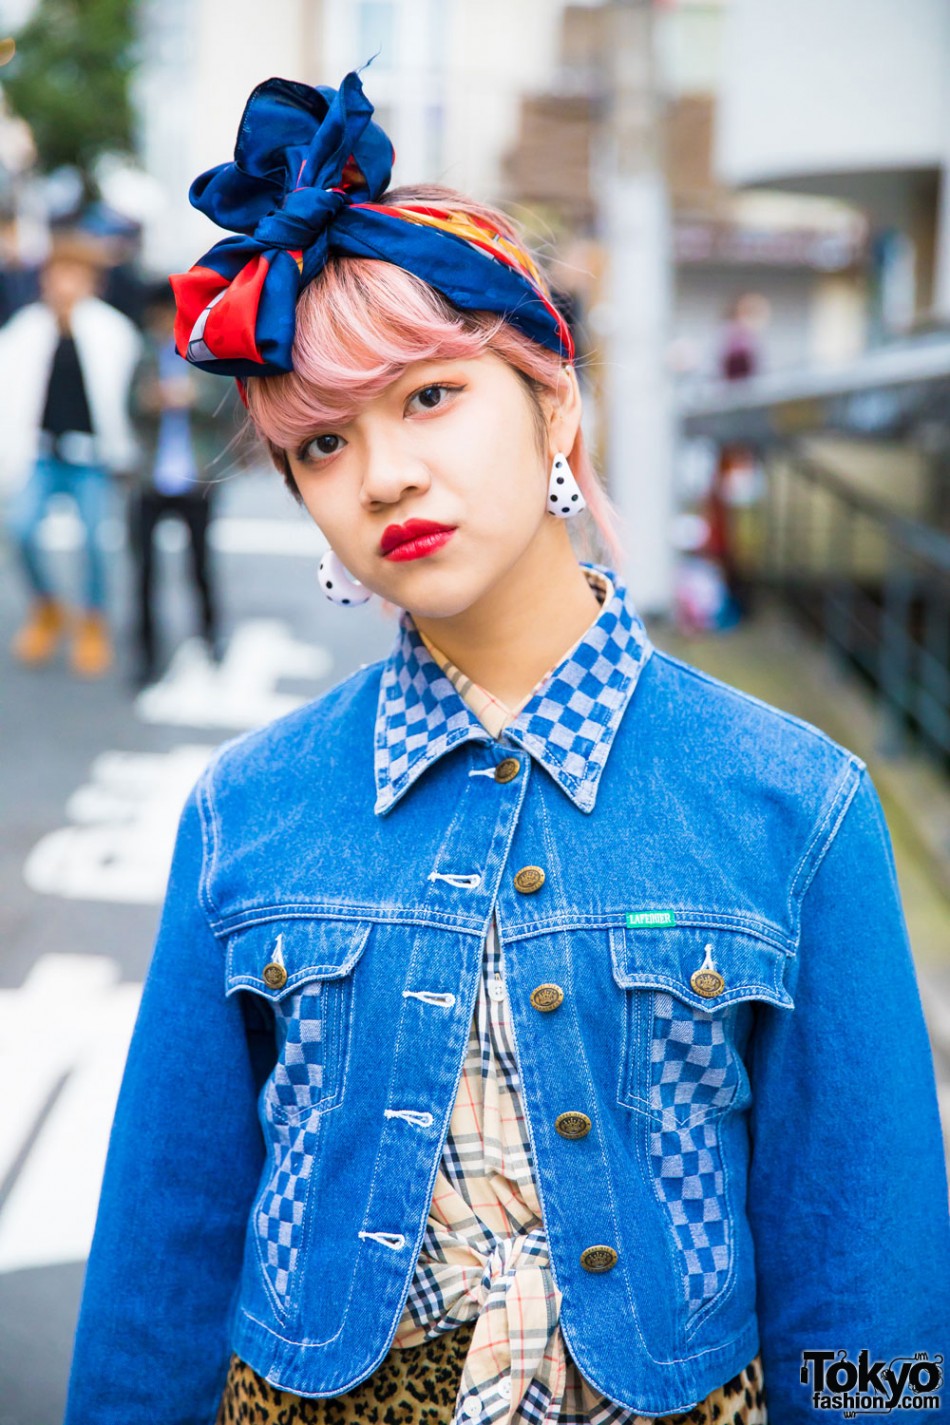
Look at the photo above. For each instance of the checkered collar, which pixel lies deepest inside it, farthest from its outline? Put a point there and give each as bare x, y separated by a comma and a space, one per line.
567, 725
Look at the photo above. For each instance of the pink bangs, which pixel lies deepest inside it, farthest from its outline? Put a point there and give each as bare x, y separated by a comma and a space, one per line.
359, 325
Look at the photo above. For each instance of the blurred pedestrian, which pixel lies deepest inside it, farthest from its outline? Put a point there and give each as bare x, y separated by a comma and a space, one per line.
66, 366
181, 415
19, 280
740, 342
124, 286
740, 356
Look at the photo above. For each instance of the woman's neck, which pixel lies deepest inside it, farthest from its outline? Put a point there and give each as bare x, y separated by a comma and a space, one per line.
522, 626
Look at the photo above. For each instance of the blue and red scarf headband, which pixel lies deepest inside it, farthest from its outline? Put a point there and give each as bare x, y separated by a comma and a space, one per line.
309, 169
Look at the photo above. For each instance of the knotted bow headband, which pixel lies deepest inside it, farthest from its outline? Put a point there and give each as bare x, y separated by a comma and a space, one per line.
309, 168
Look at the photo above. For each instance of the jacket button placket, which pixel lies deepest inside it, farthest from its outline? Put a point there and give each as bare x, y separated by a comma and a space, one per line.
572, 1126
463, 887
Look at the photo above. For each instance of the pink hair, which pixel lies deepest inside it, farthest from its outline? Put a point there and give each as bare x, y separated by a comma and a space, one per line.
361, 322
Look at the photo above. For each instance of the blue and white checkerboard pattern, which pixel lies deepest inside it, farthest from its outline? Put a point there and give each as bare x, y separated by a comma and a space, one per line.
281, 1211
299, 1077
297, 1086
693, 1074
568, 725
693, 1070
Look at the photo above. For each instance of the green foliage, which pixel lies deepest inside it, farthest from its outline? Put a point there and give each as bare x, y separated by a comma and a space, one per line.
70, 80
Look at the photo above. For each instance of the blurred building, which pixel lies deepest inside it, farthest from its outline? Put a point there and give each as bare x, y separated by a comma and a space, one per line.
446, 80
850, 102
806, 256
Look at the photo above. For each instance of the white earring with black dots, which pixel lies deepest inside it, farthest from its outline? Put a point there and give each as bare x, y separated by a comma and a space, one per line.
338, 583
564, 494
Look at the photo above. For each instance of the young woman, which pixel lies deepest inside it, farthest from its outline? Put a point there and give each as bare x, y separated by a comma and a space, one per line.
532, 1032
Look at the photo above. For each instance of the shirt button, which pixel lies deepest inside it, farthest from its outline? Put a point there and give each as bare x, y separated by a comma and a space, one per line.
507, 769
275, 976
497, 988
598, 1258
504, 1387
572, 1124
546, 997
528, 879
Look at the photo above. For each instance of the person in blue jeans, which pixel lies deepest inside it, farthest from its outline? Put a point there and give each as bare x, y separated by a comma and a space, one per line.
532, 1031
185, 421
66, 365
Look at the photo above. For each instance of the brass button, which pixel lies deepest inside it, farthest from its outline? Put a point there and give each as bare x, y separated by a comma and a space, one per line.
507, 769
598, 1259
707, 983
546, 997
528, 879
572, 1124
275, 975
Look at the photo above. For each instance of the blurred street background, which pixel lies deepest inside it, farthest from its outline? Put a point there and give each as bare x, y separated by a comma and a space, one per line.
745, 210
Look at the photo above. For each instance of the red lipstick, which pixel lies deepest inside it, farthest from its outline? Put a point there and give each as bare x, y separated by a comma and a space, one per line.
414, 539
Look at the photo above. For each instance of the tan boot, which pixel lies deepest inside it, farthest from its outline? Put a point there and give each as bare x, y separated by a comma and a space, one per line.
39, 637
91, 653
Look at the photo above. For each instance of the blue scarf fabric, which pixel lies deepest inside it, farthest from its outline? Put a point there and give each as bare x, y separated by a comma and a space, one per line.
310, 170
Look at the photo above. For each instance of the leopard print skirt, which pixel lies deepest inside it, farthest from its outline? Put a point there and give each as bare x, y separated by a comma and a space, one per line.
418, 1385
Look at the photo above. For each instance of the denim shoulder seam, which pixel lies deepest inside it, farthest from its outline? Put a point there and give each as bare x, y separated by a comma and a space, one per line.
209, 841
822, 836
792, 718
204, 787
208, 817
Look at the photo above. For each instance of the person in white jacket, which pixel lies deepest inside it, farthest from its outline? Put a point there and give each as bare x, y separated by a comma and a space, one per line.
66, 367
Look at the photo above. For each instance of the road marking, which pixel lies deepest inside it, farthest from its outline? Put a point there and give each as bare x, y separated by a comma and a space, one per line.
125, 816
88, 1016
241, 692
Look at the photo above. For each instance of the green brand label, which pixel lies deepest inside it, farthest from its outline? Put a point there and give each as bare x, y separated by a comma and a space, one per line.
650, 917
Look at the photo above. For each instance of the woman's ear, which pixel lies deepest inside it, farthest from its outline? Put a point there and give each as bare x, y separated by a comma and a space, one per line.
564, 412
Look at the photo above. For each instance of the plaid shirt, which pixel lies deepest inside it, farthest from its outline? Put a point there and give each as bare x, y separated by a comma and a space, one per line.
485, 1252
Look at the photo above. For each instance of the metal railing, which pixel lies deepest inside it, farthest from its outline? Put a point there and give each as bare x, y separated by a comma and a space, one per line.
874, 584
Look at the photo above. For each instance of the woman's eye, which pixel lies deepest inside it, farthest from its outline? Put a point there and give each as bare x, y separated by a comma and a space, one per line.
320, 445
431, 397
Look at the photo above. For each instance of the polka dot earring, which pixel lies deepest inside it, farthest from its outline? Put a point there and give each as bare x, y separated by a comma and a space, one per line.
564, 495
338, 583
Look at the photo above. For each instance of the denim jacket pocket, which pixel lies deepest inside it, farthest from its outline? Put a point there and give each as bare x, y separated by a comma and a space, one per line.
690, 992
304, 968
687, 1012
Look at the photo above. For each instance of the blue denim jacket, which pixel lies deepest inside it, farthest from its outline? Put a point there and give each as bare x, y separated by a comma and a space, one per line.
708, 885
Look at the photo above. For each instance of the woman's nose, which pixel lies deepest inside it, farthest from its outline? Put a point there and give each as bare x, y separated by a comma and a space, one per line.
389, 472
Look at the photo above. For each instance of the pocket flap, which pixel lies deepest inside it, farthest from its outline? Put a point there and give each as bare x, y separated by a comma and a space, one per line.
274, 957
668, 958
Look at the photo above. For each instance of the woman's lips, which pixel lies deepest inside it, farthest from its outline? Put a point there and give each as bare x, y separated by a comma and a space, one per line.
420, 546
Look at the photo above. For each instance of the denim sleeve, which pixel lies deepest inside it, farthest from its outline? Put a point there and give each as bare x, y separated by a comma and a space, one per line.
185, 1154
847, 1189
